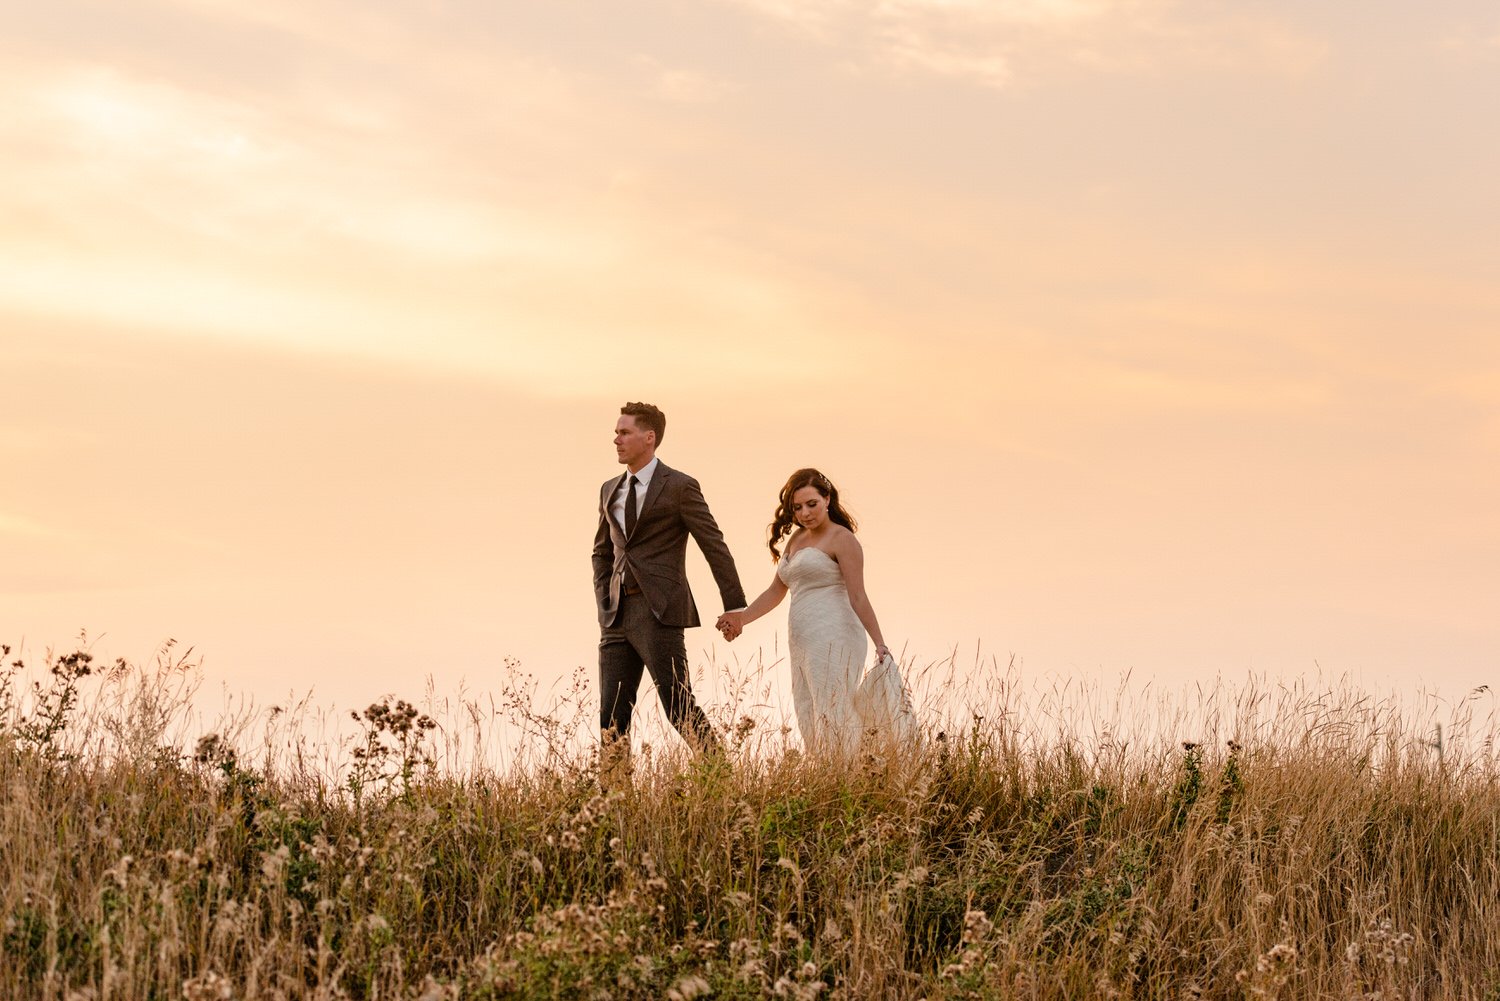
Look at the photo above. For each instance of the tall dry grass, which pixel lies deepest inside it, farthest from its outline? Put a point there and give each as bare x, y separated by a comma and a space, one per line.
1303, 843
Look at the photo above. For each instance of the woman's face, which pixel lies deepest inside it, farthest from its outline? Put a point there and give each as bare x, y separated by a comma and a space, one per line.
809, 508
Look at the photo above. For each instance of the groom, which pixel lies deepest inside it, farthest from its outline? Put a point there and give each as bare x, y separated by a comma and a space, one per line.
640, 581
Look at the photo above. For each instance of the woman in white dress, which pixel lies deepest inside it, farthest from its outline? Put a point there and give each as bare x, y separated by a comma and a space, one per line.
823, 568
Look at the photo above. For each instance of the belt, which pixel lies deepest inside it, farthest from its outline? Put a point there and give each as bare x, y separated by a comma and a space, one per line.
628, 583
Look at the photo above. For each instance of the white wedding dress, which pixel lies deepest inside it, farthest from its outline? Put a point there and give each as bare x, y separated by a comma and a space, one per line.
836, 703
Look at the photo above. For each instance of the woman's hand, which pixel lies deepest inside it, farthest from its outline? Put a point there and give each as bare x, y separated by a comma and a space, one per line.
731, 624
881, 652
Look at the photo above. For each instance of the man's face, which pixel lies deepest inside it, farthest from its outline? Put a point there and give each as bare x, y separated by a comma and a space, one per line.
633, 444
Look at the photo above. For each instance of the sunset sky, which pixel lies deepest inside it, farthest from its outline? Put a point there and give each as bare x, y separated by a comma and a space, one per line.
1142, 336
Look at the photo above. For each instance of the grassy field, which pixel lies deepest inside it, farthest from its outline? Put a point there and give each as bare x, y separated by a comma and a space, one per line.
1301, 844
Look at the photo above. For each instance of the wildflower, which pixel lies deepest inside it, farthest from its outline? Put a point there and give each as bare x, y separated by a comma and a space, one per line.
208, 986
1282, 952
977, 927
271, 863
434, 991
688, 988
915, 876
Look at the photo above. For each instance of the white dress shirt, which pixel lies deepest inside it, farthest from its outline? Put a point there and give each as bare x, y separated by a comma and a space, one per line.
617, 506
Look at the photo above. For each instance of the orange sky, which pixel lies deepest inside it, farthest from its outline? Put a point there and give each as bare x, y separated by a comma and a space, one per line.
1142, 336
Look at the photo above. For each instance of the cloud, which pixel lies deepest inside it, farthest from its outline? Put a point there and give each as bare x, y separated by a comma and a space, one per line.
508, 215
682, 86
26, 528
821, 15
813, 17
1001, 11
98, 111
1001, 43
1479, 42
909, 49
184, 167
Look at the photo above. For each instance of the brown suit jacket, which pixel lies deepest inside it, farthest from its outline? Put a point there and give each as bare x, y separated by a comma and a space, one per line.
656, 552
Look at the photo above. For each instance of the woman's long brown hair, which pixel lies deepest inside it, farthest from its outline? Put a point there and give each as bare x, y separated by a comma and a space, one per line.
781, 526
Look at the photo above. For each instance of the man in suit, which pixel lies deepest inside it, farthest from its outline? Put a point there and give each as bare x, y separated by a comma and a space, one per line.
640, 581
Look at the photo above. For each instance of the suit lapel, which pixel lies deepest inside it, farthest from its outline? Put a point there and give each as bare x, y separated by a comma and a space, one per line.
609, 505
658, 483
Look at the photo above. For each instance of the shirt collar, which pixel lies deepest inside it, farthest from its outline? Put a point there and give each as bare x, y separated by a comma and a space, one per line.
647, 471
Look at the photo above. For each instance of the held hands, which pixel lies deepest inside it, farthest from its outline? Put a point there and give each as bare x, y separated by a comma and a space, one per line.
881, 652
731, 624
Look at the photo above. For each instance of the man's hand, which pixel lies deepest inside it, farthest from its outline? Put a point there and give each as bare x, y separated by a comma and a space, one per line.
731, 624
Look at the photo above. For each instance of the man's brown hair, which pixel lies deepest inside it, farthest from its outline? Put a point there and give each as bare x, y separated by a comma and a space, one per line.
647, 417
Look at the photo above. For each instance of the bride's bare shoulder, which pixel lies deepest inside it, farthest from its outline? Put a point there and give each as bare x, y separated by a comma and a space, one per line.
843, 539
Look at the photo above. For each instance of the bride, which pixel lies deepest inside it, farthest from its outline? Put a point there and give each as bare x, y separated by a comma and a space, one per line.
823, 568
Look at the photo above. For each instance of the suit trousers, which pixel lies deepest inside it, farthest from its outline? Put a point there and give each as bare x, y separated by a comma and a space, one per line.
637, 641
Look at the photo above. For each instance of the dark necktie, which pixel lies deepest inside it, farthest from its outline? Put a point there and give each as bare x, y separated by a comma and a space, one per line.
630, 506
